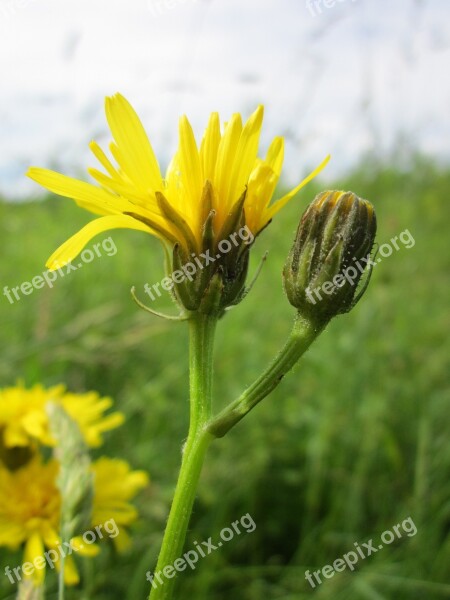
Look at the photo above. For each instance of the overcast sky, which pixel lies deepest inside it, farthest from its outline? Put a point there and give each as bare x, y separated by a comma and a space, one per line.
356, 76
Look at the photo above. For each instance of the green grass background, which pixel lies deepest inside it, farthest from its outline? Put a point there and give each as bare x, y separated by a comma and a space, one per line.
354, 441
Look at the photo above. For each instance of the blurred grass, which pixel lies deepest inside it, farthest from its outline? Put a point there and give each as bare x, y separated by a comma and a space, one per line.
352, 443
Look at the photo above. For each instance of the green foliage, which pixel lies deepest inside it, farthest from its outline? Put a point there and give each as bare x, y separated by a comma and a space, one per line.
352, 443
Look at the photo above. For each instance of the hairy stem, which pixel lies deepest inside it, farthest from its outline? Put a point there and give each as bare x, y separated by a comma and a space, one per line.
303, 333
202, 329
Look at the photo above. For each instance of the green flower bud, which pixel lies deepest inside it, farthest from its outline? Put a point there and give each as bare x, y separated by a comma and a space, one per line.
331, 252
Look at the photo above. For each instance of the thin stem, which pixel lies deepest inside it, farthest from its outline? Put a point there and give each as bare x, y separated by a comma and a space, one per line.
180, 317
61, 585
303, 333
202, 329
62, 565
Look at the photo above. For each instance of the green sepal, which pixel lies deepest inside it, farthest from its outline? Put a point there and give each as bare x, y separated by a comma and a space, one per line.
178, 222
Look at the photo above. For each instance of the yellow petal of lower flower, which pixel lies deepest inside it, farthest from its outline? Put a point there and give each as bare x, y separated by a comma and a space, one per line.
34, 548
86, 195
35, 423
94, 438
15, 436
79, 545
285, 199
123, 541
11, 534
74, 245
51, 538
71, 576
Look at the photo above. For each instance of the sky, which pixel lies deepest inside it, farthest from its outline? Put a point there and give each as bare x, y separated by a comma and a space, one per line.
355, 77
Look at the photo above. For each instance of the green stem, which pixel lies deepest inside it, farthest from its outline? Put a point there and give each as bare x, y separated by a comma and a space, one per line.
303, 333
202, 329
61, 583
62, 565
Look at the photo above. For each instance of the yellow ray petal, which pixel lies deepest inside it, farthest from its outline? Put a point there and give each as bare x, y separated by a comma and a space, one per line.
35, 423
139, 159
74, 245
51, 538
103, 159
275, 155
34, 548
14, 436
126, 190
123, 513
209, 147
109, 422
191, 175
71, 576
79, 545
86, 195
245, 157
11, 534
261, 185
272, 210
225, 162
175, 190
123, 541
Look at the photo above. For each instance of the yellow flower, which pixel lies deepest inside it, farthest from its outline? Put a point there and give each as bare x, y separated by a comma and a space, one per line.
115, 485
88, 411
200, 181
24, 421
29, 515
30, 511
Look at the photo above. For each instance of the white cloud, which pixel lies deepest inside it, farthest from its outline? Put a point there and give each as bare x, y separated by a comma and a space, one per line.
353, 76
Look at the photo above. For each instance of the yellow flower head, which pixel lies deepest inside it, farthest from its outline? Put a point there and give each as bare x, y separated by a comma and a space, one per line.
24, 420
29, 515
30, 512
115, 485
203, 181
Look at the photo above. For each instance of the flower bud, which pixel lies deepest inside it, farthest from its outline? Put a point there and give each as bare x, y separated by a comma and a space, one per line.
331, 252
